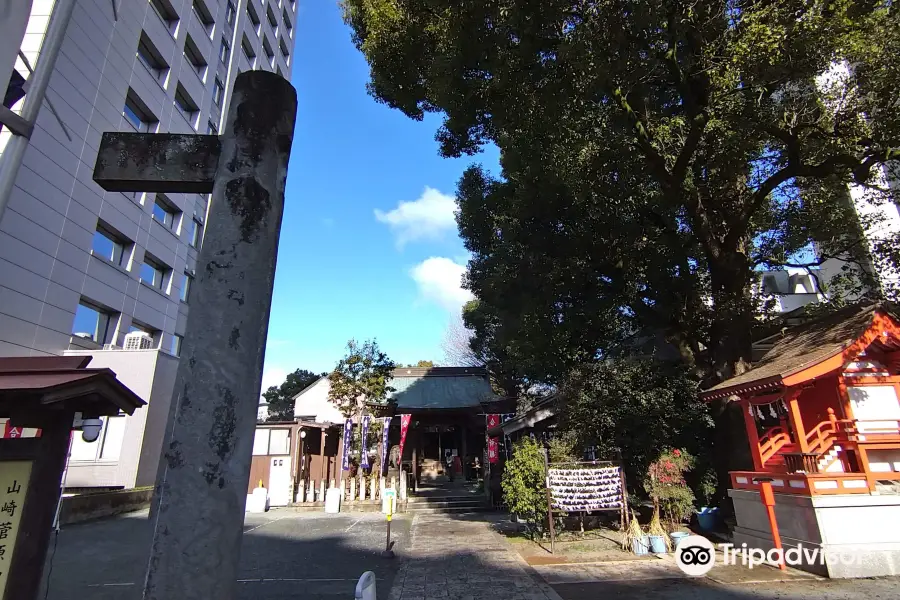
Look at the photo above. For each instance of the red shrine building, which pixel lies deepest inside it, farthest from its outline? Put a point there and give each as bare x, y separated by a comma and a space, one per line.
822, 416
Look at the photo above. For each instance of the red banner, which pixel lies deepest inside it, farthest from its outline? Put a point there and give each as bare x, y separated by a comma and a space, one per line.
492, 421
404, 426
492, 450
12, 432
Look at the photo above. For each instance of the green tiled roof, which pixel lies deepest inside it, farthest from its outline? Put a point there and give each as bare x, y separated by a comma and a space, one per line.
440, 388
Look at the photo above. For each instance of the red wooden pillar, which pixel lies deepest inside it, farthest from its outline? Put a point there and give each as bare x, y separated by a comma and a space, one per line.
752, 435
797, 421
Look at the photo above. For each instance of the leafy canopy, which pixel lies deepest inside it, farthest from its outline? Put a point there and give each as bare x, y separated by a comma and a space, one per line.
281, 397
655, 155
362, 376
638, 408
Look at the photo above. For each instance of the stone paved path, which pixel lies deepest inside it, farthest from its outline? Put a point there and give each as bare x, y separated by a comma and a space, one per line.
610, 571
460, 557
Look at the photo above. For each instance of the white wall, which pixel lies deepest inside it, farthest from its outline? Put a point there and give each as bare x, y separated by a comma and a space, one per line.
313, 404
858, 527
151, 375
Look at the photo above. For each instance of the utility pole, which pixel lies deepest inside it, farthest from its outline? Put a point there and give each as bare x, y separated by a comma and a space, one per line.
202, 483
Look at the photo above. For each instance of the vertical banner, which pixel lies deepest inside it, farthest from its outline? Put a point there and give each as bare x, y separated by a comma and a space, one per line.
386, 427
493, 420
348, 433
404, 426
364, 450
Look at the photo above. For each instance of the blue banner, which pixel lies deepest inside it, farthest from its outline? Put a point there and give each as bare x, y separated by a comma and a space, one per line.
386, 421
348, 432
364, 459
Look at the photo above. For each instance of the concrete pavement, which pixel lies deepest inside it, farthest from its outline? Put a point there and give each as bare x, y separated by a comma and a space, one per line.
284, 555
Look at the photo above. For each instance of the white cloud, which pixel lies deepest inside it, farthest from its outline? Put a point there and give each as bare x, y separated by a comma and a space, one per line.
429, 217
440, 280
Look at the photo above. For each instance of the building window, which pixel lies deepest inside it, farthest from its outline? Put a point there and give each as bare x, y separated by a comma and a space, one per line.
195, 57
92, 322
230, 13
138, 115
113, 436
204, 16
151, 58
154, 273
196, 232
175, 346
167, 13
273, 20
218, 92
186, 105
254, 18
247, 47
186, 282
287, 21
165, 212
154, 334
267, 48
110, 246
211, 128
224, 51
284, 49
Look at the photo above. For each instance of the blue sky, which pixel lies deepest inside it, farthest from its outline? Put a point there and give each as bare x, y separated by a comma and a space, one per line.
369, 247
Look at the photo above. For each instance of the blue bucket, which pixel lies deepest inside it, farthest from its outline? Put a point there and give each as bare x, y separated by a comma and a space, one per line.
708, 517
641, 546
658, 544
677, 536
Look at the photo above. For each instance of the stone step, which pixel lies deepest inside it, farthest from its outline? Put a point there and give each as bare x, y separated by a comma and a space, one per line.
433, 499
442, 511
451, 504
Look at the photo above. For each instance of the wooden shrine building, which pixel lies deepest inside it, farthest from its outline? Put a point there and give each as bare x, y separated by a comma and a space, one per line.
822, 417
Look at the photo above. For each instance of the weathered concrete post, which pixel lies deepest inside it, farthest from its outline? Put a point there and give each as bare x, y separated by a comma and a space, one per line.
202, 488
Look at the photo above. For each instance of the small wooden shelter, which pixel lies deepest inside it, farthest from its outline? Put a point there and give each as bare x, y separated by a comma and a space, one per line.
822, 416
43, 393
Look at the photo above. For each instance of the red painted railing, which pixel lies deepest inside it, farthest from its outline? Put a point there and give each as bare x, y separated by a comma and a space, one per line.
773, 441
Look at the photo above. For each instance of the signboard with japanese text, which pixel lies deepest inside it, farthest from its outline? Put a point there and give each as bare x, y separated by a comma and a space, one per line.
493, 420
14, 477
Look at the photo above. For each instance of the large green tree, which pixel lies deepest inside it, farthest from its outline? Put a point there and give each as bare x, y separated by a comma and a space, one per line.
637, 407
363, 375
281, 397
655, 155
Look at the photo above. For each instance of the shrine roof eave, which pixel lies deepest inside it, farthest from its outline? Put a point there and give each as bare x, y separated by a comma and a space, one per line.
777, 383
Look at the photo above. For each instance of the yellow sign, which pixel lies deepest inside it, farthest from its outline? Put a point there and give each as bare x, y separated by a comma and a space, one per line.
14, 476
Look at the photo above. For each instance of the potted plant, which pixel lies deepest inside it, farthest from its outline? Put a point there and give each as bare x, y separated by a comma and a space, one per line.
634, 538
670, 495
659, 541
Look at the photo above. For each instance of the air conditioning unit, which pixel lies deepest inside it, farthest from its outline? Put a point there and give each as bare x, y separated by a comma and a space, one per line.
138, 340
111, 347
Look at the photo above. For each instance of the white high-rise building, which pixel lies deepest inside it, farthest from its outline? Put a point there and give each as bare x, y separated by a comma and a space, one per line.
88, 271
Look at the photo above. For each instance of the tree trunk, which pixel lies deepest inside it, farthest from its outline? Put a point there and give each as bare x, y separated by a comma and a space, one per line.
731, 346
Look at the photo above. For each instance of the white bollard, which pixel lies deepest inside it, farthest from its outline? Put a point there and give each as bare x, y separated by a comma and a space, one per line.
402, 487
310, 494
382, 485
321, 497
352, 489
362, 489
365, 588
372, 488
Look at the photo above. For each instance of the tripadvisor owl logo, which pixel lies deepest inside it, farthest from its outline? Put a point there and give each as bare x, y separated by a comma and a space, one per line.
695, 555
